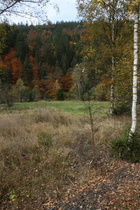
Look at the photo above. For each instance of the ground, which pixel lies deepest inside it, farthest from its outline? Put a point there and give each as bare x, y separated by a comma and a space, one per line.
48, 159
118, 189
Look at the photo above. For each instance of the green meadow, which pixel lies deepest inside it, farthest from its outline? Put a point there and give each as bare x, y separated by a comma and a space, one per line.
72, 107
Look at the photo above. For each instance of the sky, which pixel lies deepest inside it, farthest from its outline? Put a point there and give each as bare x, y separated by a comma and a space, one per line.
67, 12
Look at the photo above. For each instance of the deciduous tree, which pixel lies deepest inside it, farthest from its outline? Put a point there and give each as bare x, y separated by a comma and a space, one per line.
110, 14
14, 65
66, 82
19, 86
136, 11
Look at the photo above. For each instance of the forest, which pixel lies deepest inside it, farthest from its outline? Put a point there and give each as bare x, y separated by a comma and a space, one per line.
66, 60
37, 62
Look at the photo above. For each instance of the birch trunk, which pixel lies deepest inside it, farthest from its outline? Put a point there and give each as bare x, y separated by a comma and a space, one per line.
113, 66
112, 89
135, 70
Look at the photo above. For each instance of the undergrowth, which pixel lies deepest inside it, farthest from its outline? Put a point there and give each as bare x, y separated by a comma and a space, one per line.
127, 147
44, 150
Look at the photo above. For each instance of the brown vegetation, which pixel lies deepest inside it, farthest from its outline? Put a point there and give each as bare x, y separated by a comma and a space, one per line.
43, 151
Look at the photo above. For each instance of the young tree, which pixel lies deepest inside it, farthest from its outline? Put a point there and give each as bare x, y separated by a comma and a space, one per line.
19, 86
35, 93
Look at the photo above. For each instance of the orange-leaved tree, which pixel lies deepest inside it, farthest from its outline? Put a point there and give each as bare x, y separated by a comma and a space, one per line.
66, 82
52, 86
14, 65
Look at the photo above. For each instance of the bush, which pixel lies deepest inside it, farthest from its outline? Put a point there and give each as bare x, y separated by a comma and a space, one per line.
60, 95
101, 93
25, 94
6, 95
35, 94
91, 93
122, 108
127, 148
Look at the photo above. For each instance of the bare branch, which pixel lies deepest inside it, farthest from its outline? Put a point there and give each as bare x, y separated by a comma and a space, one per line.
9, 6
24, 8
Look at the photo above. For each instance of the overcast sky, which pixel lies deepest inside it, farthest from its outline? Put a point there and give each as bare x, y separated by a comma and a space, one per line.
67, 12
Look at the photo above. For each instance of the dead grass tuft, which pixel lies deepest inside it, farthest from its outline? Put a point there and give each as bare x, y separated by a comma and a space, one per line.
52, 116
109, 128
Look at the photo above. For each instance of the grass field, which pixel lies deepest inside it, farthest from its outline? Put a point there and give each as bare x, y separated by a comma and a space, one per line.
72, 107
47, 146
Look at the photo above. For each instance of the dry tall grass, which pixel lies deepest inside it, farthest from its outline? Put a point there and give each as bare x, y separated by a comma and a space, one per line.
43, 150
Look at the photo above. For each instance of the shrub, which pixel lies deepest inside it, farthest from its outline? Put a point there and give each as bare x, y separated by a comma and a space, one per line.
122, 108
60, 95
25, 94
6, 95
35, 94
91, 93
127, 148
101, 93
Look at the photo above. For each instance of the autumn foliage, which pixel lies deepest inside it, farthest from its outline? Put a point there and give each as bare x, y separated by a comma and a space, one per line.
66, 82
41, 56
14, 65
47, 57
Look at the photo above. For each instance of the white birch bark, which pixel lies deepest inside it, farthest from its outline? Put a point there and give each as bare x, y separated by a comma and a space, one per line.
135, 70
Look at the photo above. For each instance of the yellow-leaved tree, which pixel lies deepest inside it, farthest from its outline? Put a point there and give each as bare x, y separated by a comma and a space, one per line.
114, 48
114, 12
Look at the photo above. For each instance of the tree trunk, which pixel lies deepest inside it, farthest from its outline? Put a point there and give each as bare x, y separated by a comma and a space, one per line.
135, 70
113, 65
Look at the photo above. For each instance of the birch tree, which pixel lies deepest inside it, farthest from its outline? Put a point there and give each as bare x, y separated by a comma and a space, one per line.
110, 12
135, 68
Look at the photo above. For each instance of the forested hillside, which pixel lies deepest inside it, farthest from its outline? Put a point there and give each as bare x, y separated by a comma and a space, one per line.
66, 60
37, 61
